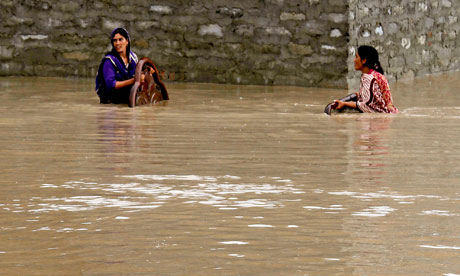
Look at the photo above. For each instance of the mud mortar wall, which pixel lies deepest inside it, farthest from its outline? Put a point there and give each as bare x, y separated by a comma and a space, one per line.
295, 42
270, 42
414, 37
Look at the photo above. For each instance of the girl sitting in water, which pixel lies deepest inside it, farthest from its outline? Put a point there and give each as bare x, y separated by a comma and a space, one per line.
374, 93
115, 76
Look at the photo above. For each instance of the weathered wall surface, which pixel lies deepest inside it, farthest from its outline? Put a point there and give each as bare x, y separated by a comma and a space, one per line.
293, 42
281, 42
414, 37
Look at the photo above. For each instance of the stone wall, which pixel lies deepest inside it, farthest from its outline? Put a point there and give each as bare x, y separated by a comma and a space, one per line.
414, 37
273, 42
294, 42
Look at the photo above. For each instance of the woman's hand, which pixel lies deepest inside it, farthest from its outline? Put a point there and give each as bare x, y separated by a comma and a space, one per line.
143, 75
338, 105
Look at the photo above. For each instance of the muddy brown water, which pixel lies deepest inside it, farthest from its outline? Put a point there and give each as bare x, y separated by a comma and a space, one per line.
228, 180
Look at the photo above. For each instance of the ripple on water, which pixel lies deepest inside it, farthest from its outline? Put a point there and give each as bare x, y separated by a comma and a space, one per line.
433, 112
206, 190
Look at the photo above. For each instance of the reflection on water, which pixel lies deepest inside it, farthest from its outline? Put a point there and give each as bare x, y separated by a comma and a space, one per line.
228, 180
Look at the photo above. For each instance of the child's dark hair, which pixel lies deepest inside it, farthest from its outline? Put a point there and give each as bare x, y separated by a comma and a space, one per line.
372, 58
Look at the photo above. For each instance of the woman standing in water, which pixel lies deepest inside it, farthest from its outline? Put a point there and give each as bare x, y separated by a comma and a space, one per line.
374, 92
115, 75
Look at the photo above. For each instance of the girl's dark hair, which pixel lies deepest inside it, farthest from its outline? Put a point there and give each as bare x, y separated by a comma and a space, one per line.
372, 58
123, 32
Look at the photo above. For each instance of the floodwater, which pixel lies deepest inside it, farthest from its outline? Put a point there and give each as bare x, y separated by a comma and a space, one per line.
228, 180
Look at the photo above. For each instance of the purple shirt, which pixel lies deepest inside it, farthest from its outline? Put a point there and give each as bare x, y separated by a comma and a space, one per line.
110, 71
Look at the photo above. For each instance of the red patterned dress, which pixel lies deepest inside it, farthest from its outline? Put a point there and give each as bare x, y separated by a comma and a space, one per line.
374, 94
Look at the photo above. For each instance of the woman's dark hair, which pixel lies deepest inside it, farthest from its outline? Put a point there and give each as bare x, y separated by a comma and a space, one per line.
124, 33
372, 58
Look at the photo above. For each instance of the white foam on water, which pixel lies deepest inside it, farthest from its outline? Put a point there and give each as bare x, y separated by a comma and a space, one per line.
170, 177
313, 207
331, 259
376, 211
261, 225
256, 203
236, 255
441, 247
383, 195
438, 213
120, 217
49, 186
231, 177
234, 242
142, 206
330, 208
65, 230
42, 229
215, 191
284, 181
88, 203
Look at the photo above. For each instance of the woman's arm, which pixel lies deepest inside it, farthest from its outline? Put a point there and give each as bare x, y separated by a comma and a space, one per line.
348, 102
338, 105
121, 84
109, 77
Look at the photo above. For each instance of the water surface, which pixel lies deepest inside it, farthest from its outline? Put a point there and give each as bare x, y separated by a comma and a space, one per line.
228, 180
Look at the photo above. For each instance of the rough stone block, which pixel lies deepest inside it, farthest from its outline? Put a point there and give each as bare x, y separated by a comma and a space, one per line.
292, 16
336, 33
145, 25
78, 55
7, 3
245, 30
446, 4
335, 17
11, 68
38, 56
211, 29
17, 21
161, 9
340, 3
232, 12
315, 28
6, 52
68, 6
109, 25
300, 50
